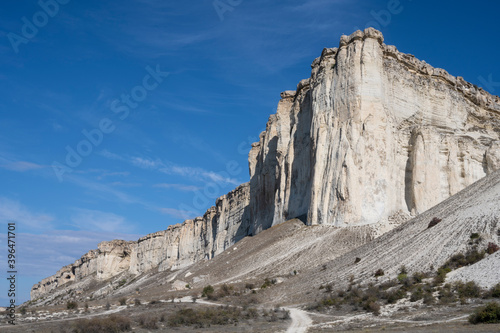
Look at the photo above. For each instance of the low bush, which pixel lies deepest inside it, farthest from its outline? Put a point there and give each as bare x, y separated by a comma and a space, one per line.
148, 321
495, 291
266, 283
446, 295
474, 235
492, 248
70, 305
434, 222
123, 301
393, 296
208, 291
467, 290
487, 314
373, 307
379, 272
225, 290
111, 324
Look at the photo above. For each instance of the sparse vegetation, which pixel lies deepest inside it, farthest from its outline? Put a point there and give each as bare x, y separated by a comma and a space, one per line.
137, 302
488, 314
148, 321
495, 291
208, 292
467, 290
71, 305
266, 283
474, 235
110, 324
123, 301
210, 316
225, 290
492, 248
121, 283
249, 286
434, 222
379, 272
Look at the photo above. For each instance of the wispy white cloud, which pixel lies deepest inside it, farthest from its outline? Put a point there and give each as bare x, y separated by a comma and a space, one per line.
17, 165
122, 184
12, 210
102, 221
181, 214
181, 187
169, 168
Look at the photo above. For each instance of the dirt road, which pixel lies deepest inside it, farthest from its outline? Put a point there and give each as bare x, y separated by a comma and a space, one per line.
300, 321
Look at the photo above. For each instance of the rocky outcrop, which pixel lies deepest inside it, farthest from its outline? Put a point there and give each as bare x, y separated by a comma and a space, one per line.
201, 238
110, 259
371, 134
178, 246
374, 136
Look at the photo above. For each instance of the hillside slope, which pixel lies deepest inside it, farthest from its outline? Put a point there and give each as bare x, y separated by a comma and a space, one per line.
324, 254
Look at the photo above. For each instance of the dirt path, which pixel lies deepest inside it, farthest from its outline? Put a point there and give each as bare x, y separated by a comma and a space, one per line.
300, 321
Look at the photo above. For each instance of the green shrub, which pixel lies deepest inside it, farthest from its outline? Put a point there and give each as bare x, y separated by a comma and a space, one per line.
441, 275
418, 277
207, 291
266, 283
446, 295
402, 277
495, 291
488, 314
467, 290
474, 235
70, 305
429, 298
394, 295
417, 294
122, 282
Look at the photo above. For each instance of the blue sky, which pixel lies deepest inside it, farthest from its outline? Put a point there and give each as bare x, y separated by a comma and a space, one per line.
164, 146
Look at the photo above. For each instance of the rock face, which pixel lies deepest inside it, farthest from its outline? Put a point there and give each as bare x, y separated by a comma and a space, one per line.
180, 245
373, 136
110, 259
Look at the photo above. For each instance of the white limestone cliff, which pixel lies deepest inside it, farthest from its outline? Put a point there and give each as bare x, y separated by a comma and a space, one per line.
379, 133
373, 136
